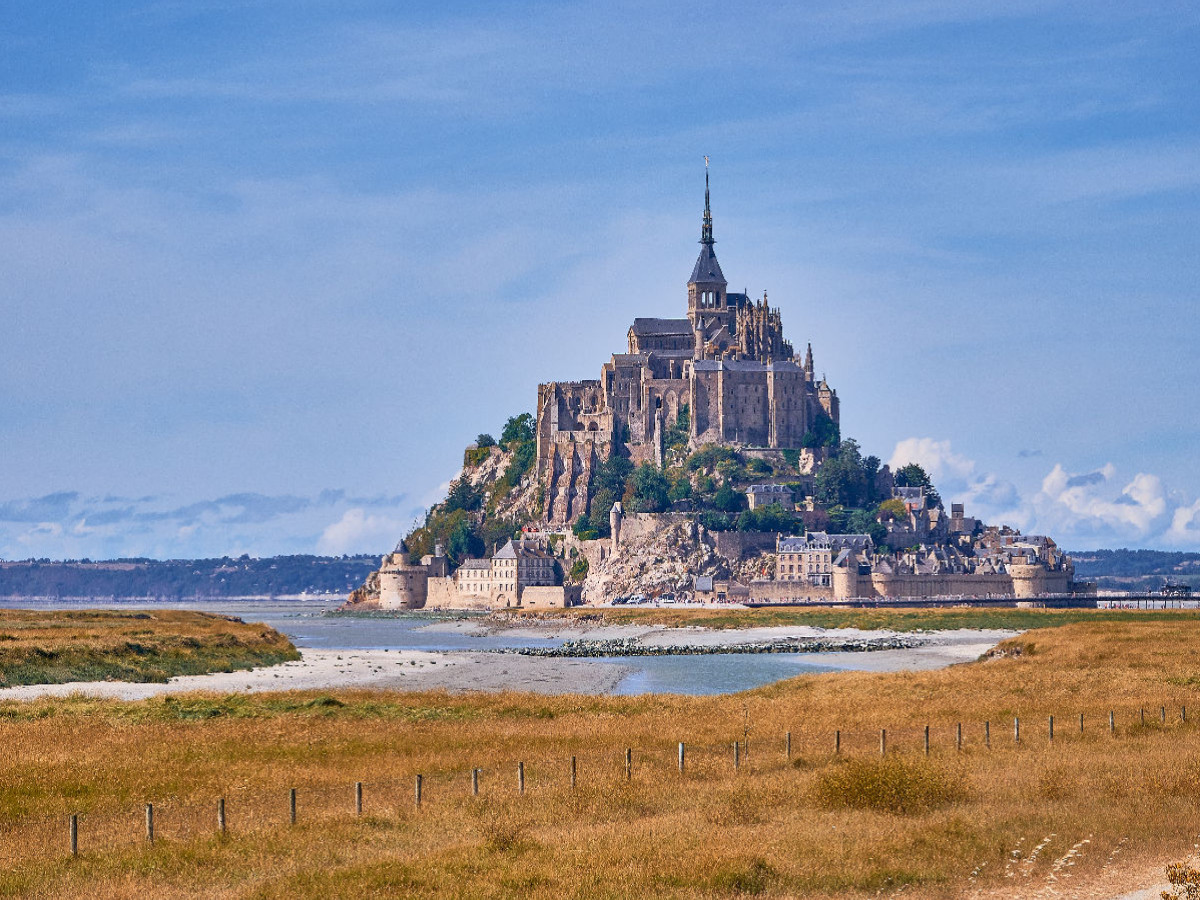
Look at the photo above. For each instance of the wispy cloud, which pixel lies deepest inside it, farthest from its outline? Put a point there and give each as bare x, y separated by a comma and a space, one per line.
68, 525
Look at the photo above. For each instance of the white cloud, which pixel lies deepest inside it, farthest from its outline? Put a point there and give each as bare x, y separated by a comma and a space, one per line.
1185, 526
935, 457
358, 532
1079, 504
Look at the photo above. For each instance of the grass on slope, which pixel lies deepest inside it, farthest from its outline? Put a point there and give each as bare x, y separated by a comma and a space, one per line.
1083, 813
55, 647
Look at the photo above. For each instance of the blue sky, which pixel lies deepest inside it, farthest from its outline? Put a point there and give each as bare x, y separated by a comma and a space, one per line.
266, 267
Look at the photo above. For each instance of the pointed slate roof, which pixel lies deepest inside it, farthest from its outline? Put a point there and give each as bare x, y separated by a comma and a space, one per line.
707, 270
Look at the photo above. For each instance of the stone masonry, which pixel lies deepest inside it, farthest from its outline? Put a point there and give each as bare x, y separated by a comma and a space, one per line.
727, 363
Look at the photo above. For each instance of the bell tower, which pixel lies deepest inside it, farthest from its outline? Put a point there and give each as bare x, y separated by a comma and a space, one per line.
707, 303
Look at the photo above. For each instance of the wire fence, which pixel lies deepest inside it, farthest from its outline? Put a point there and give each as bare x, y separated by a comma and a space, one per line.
248, 809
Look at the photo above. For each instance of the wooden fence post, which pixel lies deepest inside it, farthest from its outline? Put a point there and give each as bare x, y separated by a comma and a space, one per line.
681, 757
358, 798
150, 822
1017, 730
958, 737
787, 745
221, 815
1081, 723
475, 782
737, 755
837, 742
987, 734
417, 785
926, 740
883, 742
74, 835
520, 777
1052, 729
1112, 722
292, 805
628, 763
1163, 716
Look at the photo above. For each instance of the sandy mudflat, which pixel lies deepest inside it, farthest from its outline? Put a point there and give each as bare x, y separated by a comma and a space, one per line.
407, 670
467, 670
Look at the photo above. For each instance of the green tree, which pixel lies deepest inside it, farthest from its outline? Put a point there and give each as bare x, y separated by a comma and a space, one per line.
728, 499
772, 517
823, 433
579, 569
842, 478
715, 521
464, 543
463, 495
681, 485
583, 529
517, 429
675, 436
650, 489
485, 440
612, 476
914, 475
602, 504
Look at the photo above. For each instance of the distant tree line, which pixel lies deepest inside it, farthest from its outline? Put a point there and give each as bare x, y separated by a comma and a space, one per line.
178, 579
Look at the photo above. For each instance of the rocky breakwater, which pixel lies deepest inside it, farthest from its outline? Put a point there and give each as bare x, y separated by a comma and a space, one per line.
634, 647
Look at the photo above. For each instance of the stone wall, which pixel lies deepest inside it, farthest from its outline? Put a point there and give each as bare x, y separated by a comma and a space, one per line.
544, 597
737, 545
443, 593
789, 591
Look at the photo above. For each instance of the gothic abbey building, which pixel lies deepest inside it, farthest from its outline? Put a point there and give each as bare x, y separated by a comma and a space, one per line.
726, 367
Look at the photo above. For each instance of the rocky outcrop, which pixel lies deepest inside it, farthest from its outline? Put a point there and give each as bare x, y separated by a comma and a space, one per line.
663, 554
364, 597
634, 647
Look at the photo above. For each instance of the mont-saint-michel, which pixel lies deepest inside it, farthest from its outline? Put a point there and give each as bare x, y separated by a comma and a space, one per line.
705, 464
425, 476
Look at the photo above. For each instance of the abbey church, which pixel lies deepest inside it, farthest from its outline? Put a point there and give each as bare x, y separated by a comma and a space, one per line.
727, 368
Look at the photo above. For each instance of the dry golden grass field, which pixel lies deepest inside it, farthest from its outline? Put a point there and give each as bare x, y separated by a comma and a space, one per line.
1091, 813
55, 647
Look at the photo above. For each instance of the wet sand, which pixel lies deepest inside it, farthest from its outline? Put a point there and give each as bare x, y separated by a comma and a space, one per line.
417, 670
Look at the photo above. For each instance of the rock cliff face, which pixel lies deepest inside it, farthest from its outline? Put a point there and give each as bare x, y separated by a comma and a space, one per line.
365, 596
664, 558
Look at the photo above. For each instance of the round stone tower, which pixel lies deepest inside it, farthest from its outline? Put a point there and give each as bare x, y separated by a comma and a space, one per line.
615, 515
402, 585
1029, 579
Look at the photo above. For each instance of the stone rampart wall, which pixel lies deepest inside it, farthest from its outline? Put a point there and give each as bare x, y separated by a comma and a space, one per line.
737, 545
789, 591
444, 594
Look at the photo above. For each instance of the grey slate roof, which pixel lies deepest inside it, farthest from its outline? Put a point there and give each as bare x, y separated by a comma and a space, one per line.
629, 359
476, 564
707, 270
662, 326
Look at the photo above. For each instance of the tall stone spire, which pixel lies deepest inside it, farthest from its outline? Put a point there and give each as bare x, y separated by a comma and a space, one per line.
808, 362
707, 270
706, 228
